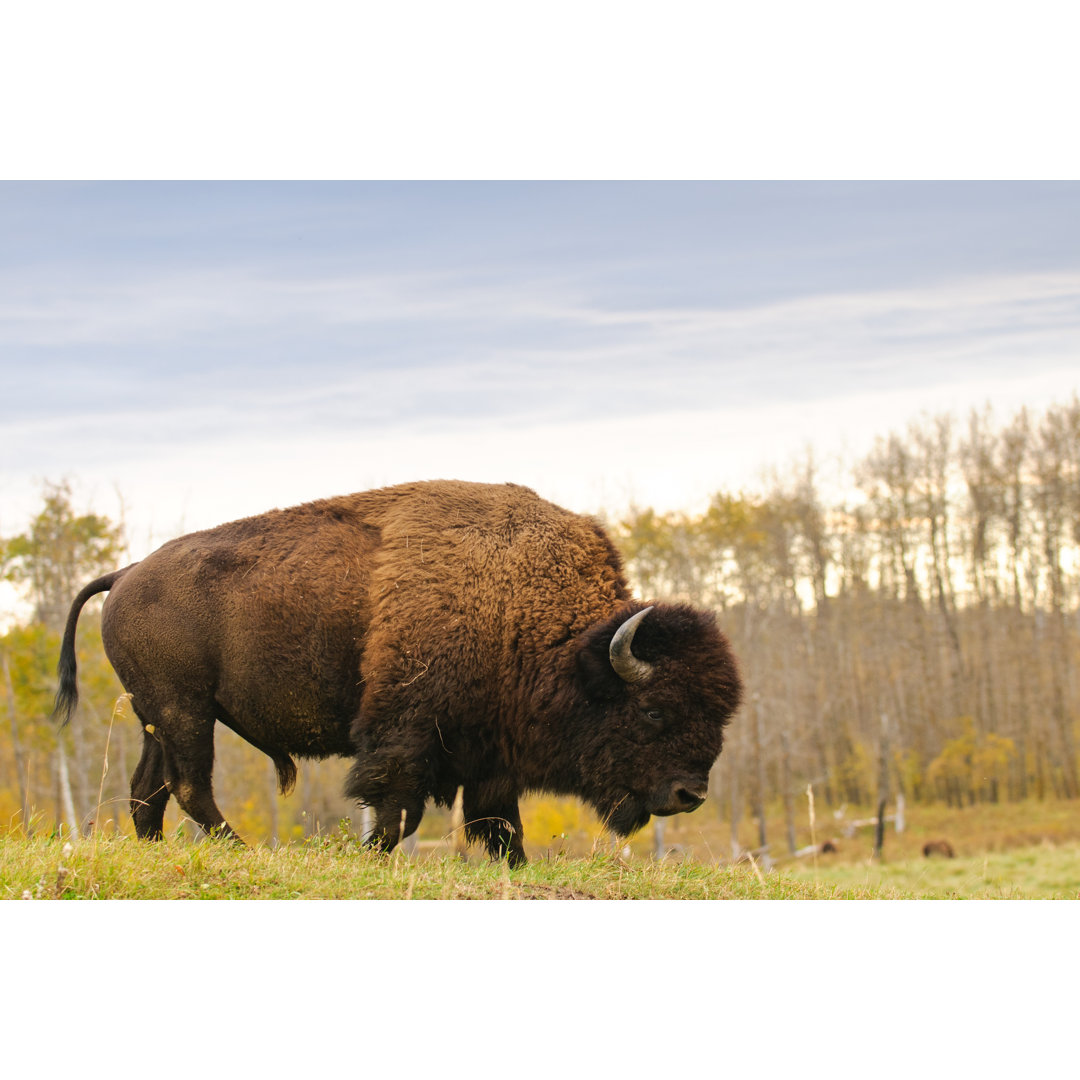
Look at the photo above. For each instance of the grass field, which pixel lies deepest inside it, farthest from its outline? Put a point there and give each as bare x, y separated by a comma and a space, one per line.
1030, 873
122, 868
1009, 851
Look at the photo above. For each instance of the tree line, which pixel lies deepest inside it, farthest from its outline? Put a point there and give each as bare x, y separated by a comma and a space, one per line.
913, 632
906, 625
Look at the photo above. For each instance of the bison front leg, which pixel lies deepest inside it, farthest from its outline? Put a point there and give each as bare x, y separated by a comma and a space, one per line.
493, 817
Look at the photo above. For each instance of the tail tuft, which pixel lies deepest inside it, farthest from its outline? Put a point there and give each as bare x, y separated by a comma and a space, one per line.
67, 696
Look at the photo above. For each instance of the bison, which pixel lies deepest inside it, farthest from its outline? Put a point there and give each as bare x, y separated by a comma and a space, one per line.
938, 847
443, 634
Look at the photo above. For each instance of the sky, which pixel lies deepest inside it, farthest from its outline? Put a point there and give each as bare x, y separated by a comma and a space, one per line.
189, 353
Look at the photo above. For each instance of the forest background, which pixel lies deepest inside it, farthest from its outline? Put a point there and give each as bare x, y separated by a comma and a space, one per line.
907, 626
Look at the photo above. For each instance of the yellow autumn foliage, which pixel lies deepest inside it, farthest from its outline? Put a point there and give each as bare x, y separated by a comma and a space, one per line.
549, 819
972, 761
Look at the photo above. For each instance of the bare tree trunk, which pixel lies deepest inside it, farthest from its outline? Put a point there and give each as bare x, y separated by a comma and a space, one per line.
79, 764
1070, 780
66, 801
883, 786
307, 796
1024, 739
271, 788
457, 824
785, 781
716, 790
736, 807
659, 827
759, 793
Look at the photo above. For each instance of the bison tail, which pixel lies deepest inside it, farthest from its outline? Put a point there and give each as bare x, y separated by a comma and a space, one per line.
67, 695
286, 773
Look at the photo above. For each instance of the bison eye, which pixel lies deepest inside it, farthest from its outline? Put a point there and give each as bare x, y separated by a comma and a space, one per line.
654, 719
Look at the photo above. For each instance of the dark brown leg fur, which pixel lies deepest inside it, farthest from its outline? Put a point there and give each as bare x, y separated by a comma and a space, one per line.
184, 759
149, 794
494, 819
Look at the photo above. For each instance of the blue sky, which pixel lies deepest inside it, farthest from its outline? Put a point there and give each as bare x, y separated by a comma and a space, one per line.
212, 350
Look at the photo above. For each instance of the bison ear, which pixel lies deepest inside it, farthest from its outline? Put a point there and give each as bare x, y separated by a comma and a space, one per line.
606, 666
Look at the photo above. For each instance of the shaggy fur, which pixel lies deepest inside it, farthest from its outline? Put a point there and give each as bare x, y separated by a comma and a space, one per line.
441, 633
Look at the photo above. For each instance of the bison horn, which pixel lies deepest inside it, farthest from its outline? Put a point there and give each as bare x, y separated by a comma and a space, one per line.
627, 666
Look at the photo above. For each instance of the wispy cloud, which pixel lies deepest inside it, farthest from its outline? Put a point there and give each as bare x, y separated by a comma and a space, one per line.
245, 383
489, 333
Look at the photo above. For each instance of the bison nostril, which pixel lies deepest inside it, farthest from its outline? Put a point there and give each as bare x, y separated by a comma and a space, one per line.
689, 799
680, 798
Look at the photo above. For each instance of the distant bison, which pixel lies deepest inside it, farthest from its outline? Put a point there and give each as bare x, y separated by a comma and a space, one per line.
938, 847
441, 634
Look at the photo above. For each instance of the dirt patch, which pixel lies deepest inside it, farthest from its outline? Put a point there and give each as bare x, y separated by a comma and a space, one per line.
550, 892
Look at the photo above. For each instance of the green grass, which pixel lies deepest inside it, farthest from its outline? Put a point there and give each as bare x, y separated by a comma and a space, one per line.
122, 868
1042, 872
1018, 850
336, 868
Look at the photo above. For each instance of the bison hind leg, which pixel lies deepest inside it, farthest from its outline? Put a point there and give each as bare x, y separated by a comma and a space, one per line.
184, 733
149, 794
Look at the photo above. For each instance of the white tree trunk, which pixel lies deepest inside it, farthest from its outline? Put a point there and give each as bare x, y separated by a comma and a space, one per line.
66, 801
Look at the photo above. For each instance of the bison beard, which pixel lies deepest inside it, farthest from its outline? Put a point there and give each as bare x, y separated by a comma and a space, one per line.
443, 634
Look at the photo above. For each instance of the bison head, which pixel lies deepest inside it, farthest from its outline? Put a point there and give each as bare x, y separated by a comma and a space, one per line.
655, 688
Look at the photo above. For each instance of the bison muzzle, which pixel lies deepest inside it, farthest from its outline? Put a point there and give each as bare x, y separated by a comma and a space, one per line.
441, 634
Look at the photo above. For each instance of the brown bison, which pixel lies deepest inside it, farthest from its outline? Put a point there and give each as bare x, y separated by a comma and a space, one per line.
938, 847
443, 634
